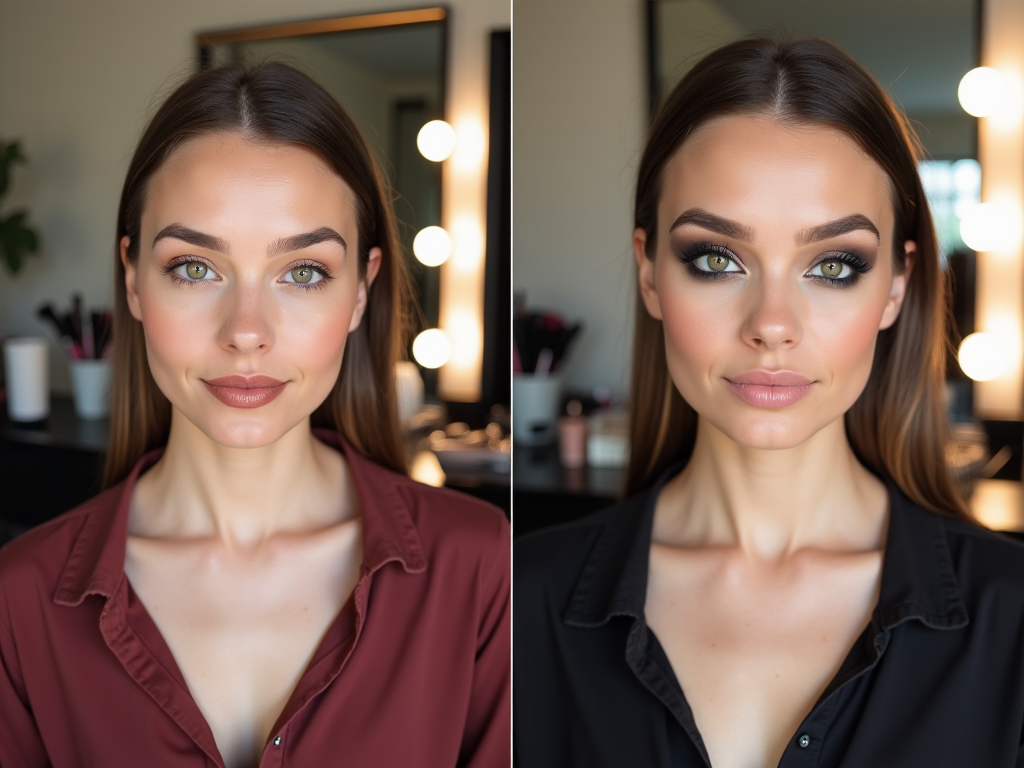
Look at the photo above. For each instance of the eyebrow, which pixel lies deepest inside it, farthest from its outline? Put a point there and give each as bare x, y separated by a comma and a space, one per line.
707, 220
284, 245
852, 223
729, 228
305, 240
192, 237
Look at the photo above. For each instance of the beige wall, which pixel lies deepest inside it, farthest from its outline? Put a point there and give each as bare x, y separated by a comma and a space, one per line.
78, 79
579, 112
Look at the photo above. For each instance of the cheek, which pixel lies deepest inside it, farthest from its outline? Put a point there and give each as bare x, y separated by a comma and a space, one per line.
313, 331
699, 325
176, 325
843, 334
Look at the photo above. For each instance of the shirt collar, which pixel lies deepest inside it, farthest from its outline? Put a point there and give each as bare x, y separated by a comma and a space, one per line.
918, 579
96, 562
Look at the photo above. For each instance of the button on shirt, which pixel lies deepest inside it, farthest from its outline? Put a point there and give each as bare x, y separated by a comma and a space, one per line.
414, 670
936, 680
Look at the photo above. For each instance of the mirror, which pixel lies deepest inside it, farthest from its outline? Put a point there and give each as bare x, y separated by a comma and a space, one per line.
917, 53
388, 71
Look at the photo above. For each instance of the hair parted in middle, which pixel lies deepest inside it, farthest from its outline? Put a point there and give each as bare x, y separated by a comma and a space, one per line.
275, 103
898, 426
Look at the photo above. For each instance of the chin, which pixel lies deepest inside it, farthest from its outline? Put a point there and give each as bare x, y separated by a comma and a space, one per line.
248, 431
776, 432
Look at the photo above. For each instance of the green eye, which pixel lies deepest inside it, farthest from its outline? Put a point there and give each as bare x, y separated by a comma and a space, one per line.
302, 274
717, 262
832, 268
195, 270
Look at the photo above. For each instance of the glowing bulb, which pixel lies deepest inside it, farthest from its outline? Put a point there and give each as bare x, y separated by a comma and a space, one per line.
427, 469
982, 356
436, 140
432, 246
990, 226
981, 92
431, 349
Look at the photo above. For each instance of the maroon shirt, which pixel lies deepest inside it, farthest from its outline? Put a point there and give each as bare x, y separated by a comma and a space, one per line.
414, 671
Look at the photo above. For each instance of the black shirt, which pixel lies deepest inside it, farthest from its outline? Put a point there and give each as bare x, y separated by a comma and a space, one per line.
935, 680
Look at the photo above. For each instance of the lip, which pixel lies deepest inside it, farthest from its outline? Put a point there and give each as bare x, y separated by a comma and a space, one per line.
770, 389
245, 391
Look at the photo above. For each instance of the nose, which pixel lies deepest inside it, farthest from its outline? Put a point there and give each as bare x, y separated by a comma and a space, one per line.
773, 319
246, 325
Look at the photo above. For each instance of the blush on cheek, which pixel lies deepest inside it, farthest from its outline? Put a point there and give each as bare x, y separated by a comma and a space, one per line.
696, 335
846, 340
173, 340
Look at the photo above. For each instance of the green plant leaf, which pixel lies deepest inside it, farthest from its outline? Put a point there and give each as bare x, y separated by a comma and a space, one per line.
10, 153
17, 240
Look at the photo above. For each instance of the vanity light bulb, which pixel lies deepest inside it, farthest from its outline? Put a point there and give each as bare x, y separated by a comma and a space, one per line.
981, 91
991, 226
982, 356
431, 349
436, 140
432, 246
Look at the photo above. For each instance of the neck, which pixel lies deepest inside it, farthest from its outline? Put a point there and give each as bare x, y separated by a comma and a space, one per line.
241, 496
773, 503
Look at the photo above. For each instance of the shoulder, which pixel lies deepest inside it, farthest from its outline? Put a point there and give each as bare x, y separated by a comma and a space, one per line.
552, 558
983, 558
435, 512
444, 520
444, 512
52, 542
31, 565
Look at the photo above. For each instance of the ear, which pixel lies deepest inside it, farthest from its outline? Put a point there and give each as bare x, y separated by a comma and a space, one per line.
372, 268
898, 291
645, 274
130, 279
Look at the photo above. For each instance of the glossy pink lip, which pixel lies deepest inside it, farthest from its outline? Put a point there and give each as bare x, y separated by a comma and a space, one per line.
770, 389
245, 391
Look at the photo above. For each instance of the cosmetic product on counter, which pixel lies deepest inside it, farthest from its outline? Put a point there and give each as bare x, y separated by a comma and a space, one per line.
572, 436
608, 439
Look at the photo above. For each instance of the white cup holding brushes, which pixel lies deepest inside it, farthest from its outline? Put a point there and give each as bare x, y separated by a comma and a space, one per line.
90, 388
86, 344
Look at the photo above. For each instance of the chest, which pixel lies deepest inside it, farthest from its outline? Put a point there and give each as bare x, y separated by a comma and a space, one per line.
243, 629
754, 650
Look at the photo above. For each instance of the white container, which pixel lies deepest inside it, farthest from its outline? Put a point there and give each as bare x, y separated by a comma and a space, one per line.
90, 387
608, 439
28, 380
535, 401
409, 390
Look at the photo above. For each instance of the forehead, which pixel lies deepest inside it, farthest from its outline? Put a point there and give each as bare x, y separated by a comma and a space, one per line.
767, 174
223, 175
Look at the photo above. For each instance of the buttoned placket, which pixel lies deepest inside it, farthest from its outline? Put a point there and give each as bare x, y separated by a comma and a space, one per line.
627, 591
161, 678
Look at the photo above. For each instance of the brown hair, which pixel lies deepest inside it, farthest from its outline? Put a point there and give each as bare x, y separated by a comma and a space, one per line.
269, 102
898, 426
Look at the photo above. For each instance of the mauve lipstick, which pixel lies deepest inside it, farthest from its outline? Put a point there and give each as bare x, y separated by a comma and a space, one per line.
770, 389
245, 391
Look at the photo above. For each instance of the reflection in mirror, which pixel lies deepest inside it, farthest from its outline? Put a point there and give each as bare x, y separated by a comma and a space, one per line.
388, 71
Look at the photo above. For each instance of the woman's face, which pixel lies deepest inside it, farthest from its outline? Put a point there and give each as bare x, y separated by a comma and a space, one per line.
247, 284
773, 273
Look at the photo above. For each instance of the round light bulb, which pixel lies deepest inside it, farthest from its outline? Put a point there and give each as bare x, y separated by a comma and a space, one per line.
431, 349
981, 91
989, 226
982, 356
436, 140
432, 246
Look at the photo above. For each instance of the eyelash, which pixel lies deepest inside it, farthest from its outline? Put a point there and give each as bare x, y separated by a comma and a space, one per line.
320, 269
694, 252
